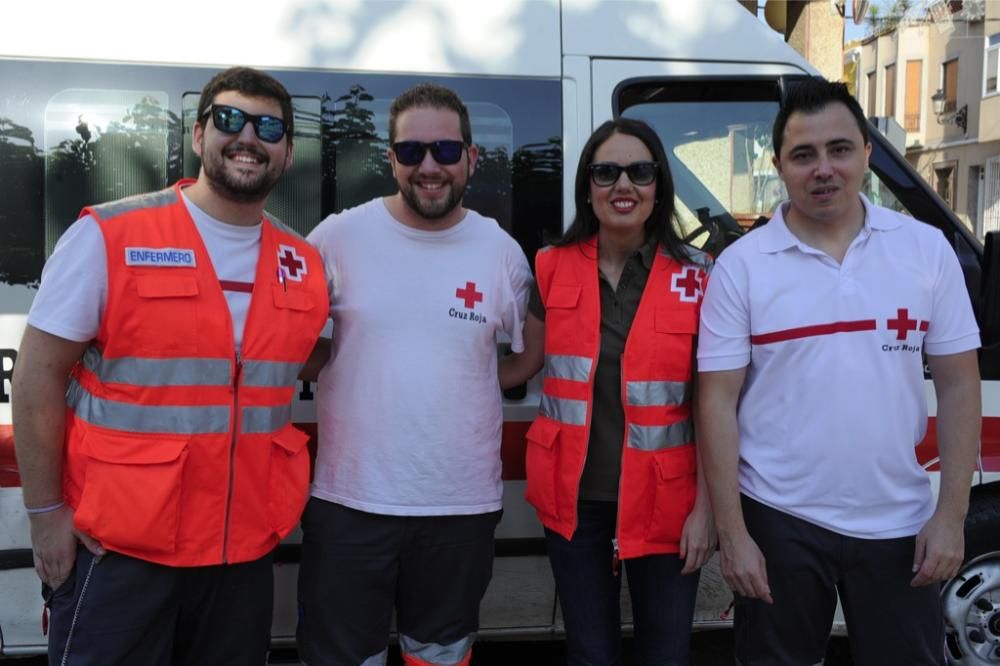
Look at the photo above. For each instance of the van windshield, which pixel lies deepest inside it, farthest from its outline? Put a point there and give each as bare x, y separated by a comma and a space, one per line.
718, 141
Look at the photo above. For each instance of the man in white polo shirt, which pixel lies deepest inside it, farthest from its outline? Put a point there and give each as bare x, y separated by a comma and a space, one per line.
811, 401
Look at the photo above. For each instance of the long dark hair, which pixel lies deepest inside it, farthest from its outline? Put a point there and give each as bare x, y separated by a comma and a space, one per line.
661, 223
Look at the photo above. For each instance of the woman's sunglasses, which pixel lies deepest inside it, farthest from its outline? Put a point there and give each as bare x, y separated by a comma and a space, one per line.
606, 174
230, 120
411, 153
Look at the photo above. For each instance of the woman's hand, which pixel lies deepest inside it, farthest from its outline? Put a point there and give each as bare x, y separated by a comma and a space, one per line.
698, 538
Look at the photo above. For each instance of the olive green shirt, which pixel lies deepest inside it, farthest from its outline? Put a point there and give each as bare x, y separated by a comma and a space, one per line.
607, 425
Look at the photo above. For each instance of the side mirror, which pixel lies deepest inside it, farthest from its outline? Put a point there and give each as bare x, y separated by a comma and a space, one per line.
989, 291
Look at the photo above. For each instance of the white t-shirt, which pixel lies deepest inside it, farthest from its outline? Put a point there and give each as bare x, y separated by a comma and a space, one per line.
74, 288
834, 400
409, 407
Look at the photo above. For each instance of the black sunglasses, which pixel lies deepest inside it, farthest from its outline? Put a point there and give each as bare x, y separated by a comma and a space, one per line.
411, 153
230, 120
606, 174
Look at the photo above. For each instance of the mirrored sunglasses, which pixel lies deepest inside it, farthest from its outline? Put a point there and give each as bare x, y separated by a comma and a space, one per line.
230, 120
411, 153
606, 174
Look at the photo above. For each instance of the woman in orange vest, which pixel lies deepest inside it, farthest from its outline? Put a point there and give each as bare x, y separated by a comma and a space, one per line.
611, 462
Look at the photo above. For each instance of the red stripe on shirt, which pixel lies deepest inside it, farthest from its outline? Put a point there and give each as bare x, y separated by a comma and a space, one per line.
924, 325
231, 285
812, 331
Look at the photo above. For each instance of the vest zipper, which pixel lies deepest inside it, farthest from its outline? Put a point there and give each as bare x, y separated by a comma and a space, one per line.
615, 559
232, 455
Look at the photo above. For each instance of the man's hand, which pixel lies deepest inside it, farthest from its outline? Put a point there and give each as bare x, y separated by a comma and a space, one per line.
939, 551
743, 567
698, 538
53, 544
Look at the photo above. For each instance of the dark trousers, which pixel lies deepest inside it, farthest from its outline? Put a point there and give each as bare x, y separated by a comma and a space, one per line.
889, 623
358, 566
590, 596
124, 611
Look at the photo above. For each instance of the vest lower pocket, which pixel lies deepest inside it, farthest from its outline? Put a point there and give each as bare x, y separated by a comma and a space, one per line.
131, 496
289, 479
542, 466
675, 480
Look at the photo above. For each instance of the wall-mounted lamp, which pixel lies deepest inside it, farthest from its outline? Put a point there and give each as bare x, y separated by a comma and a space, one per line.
957, 118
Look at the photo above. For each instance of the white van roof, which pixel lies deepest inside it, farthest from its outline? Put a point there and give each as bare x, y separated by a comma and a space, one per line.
505, 37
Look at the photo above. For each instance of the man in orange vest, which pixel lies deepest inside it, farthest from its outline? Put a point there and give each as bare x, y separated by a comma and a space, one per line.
153, 400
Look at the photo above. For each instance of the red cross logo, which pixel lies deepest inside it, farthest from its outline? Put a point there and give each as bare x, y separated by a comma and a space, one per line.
687, 284
290, 263
470, 295
902, 324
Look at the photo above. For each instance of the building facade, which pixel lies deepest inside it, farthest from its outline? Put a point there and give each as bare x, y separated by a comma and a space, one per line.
935, 77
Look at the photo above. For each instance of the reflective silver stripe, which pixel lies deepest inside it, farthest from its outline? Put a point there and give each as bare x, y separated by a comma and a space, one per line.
564, 410
435, 653
145, 418
281, 226
274, 374
259, 420
159, 371
655, 438
656, 394
129, 204
576, 368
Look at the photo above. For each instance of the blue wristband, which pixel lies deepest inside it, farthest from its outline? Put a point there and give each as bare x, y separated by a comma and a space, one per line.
44, 509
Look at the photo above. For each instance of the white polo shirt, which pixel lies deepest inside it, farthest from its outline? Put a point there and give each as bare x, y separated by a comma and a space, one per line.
834, 403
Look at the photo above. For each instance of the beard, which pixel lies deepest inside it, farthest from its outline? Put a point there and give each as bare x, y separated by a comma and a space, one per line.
433, 209
227, 180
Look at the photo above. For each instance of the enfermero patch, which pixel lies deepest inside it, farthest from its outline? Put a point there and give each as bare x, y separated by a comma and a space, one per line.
159, 256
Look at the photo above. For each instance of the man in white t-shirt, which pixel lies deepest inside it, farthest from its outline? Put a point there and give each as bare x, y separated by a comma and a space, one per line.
811, 402
152, 397
407, 490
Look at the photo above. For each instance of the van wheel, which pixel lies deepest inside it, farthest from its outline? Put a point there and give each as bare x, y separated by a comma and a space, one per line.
972, 599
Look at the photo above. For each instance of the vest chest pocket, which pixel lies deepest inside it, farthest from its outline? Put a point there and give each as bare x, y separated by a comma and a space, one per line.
298, 301
675, 335
289, 478
562, 317
297, 316
542, 466
675, 480
167, 316
131, 496
563, 296
676, 321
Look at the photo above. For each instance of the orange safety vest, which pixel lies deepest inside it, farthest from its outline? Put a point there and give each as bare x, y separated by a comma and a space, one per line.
657, 487
178, 451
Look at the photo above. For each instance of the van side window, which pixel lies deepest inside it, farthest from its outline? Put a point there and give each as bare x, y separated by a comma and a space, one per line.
101, 145
79, 133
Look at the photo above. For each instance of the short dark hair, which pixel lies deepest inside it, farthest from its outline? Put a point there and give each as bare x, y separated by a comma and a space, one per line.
661, 222
434, 96
251, 83
812, 95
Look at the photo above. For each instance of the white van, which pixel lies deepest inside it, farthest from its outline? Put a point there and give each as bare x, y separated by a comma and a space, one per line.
97, 102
